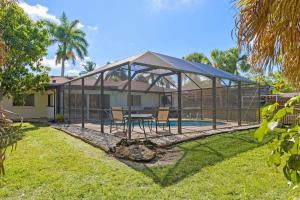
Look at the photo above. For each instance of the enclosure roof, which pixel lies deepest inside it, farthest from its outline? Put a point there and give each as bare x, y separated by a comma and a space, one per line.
160, 61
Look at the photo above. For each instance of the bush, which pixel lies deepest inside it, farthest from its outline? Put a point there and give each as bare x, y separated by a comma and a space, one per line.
59, 118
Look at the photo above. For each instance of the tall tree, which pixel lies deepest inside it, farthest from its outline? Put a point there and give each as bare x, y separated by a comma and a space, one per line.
269, 30
25, 44
88, 67
70, 39
197, 57
230, 60
117, 75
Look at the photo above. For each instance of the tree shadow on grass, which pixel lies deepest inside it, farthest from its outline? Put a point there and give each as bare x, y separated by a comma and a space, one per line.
201, 153
32, 126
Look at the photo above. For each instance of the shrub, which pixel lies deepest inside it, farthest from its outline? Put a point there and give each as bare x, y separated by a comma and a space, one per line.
59, 118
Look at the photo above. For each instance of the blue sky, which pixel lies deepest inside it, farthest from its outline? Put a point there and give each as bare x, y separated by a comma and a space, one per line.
117, 29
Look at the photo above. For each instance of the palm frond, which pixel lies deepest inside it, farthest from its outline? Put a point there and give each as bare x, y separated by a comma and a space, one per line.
269, 31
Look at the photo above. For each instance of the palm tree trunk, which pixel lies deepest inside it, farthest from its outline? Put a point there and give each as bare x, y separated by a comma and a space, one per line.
63, 67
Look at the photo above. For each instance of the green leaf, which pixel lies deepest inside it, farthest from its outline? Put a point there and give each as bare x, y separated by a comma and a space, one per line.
287, 145
275, 158
280, 114
261, 131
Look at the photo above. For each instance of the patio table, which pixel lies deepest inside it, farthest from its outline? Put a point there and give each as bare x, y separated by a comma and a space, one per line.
140, 118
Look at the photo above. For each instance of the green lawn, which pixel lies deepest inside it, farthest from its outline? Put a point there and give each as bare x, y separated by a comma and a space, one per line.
49, 164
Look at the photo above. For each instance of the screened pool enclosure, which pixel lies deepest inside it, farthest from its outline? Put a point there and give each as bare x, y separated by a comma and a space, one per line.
195, 96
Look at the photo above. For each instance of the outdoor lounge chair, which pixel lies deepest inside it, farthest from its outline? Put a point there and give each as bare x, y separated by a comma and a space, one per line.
162, 118
117, 118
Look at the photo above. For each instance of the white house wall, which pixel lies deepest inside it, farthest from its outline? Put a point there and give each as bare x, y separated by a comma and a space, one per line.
118, 98
39, 110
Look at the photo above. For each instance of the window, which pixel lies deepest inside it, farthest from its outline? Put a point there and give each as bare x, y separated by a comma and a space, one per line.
95, 101
166, 100
136, 100
50, 100
26, 101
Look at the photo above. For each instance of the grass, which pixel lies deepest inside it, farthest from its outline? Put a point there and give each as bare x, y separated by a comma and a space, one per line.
49, 164
202, 153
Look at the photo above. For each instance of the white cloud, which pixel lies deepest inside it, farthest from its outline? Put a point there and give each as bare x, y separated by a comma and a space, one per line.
86, 58
80, 25
170, 4
73, 72
50, 62
38, 12
93, 28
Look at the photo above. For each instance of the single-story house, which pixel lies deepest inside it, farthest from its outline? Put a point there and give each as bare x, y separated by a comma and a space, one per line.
44, 106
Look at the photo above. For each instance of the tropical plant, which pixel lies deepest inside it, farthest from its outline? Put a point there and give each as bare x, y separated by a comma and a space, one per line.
59, 118
275, 79
25, 43
10, 134
285, 146
269, 31
230, 60
71, 41
142, 78
88, 67
197, 57
116, 75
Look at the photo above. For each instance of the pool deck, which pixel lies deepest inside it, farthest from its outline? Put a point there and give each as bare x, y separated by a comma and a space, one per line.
107, 141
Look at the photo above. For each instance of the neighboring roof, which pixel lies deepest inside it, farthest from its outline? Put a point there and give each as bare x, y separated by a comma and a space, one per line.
56, 80
160, 61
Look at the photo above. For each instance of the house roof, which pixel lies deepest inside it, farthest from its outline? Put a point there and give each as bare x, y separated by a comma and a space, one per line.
160, 63
57, 80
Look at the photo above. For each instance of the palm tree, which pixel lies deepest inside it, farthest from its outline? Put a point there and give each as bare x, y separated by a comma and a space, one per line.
88, 67
117, 75
70, 39
269, 30
197, 57
230, 60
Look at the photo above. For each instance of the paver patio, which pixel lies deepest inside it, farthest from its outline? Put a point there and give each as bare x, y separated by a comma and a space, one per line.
107, 141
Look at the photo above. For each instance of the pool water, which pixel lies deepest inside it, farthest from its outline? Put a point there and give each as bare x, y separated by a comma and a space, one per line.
187, 123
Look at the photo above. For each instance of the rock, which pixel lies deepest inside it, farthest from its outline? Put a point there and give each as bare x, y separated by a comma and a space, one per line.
135, 150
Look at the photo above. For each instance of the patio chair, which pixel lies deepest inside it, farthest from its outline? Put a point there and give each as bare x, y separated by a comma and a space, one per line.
162, 118
117, 118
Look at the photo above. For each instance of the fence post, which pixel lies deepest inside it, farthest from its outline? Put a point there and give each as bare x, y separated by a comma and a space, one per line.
69, 101
179, 103
129, 101
82, 103
240, 103
102, 102
214, 109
